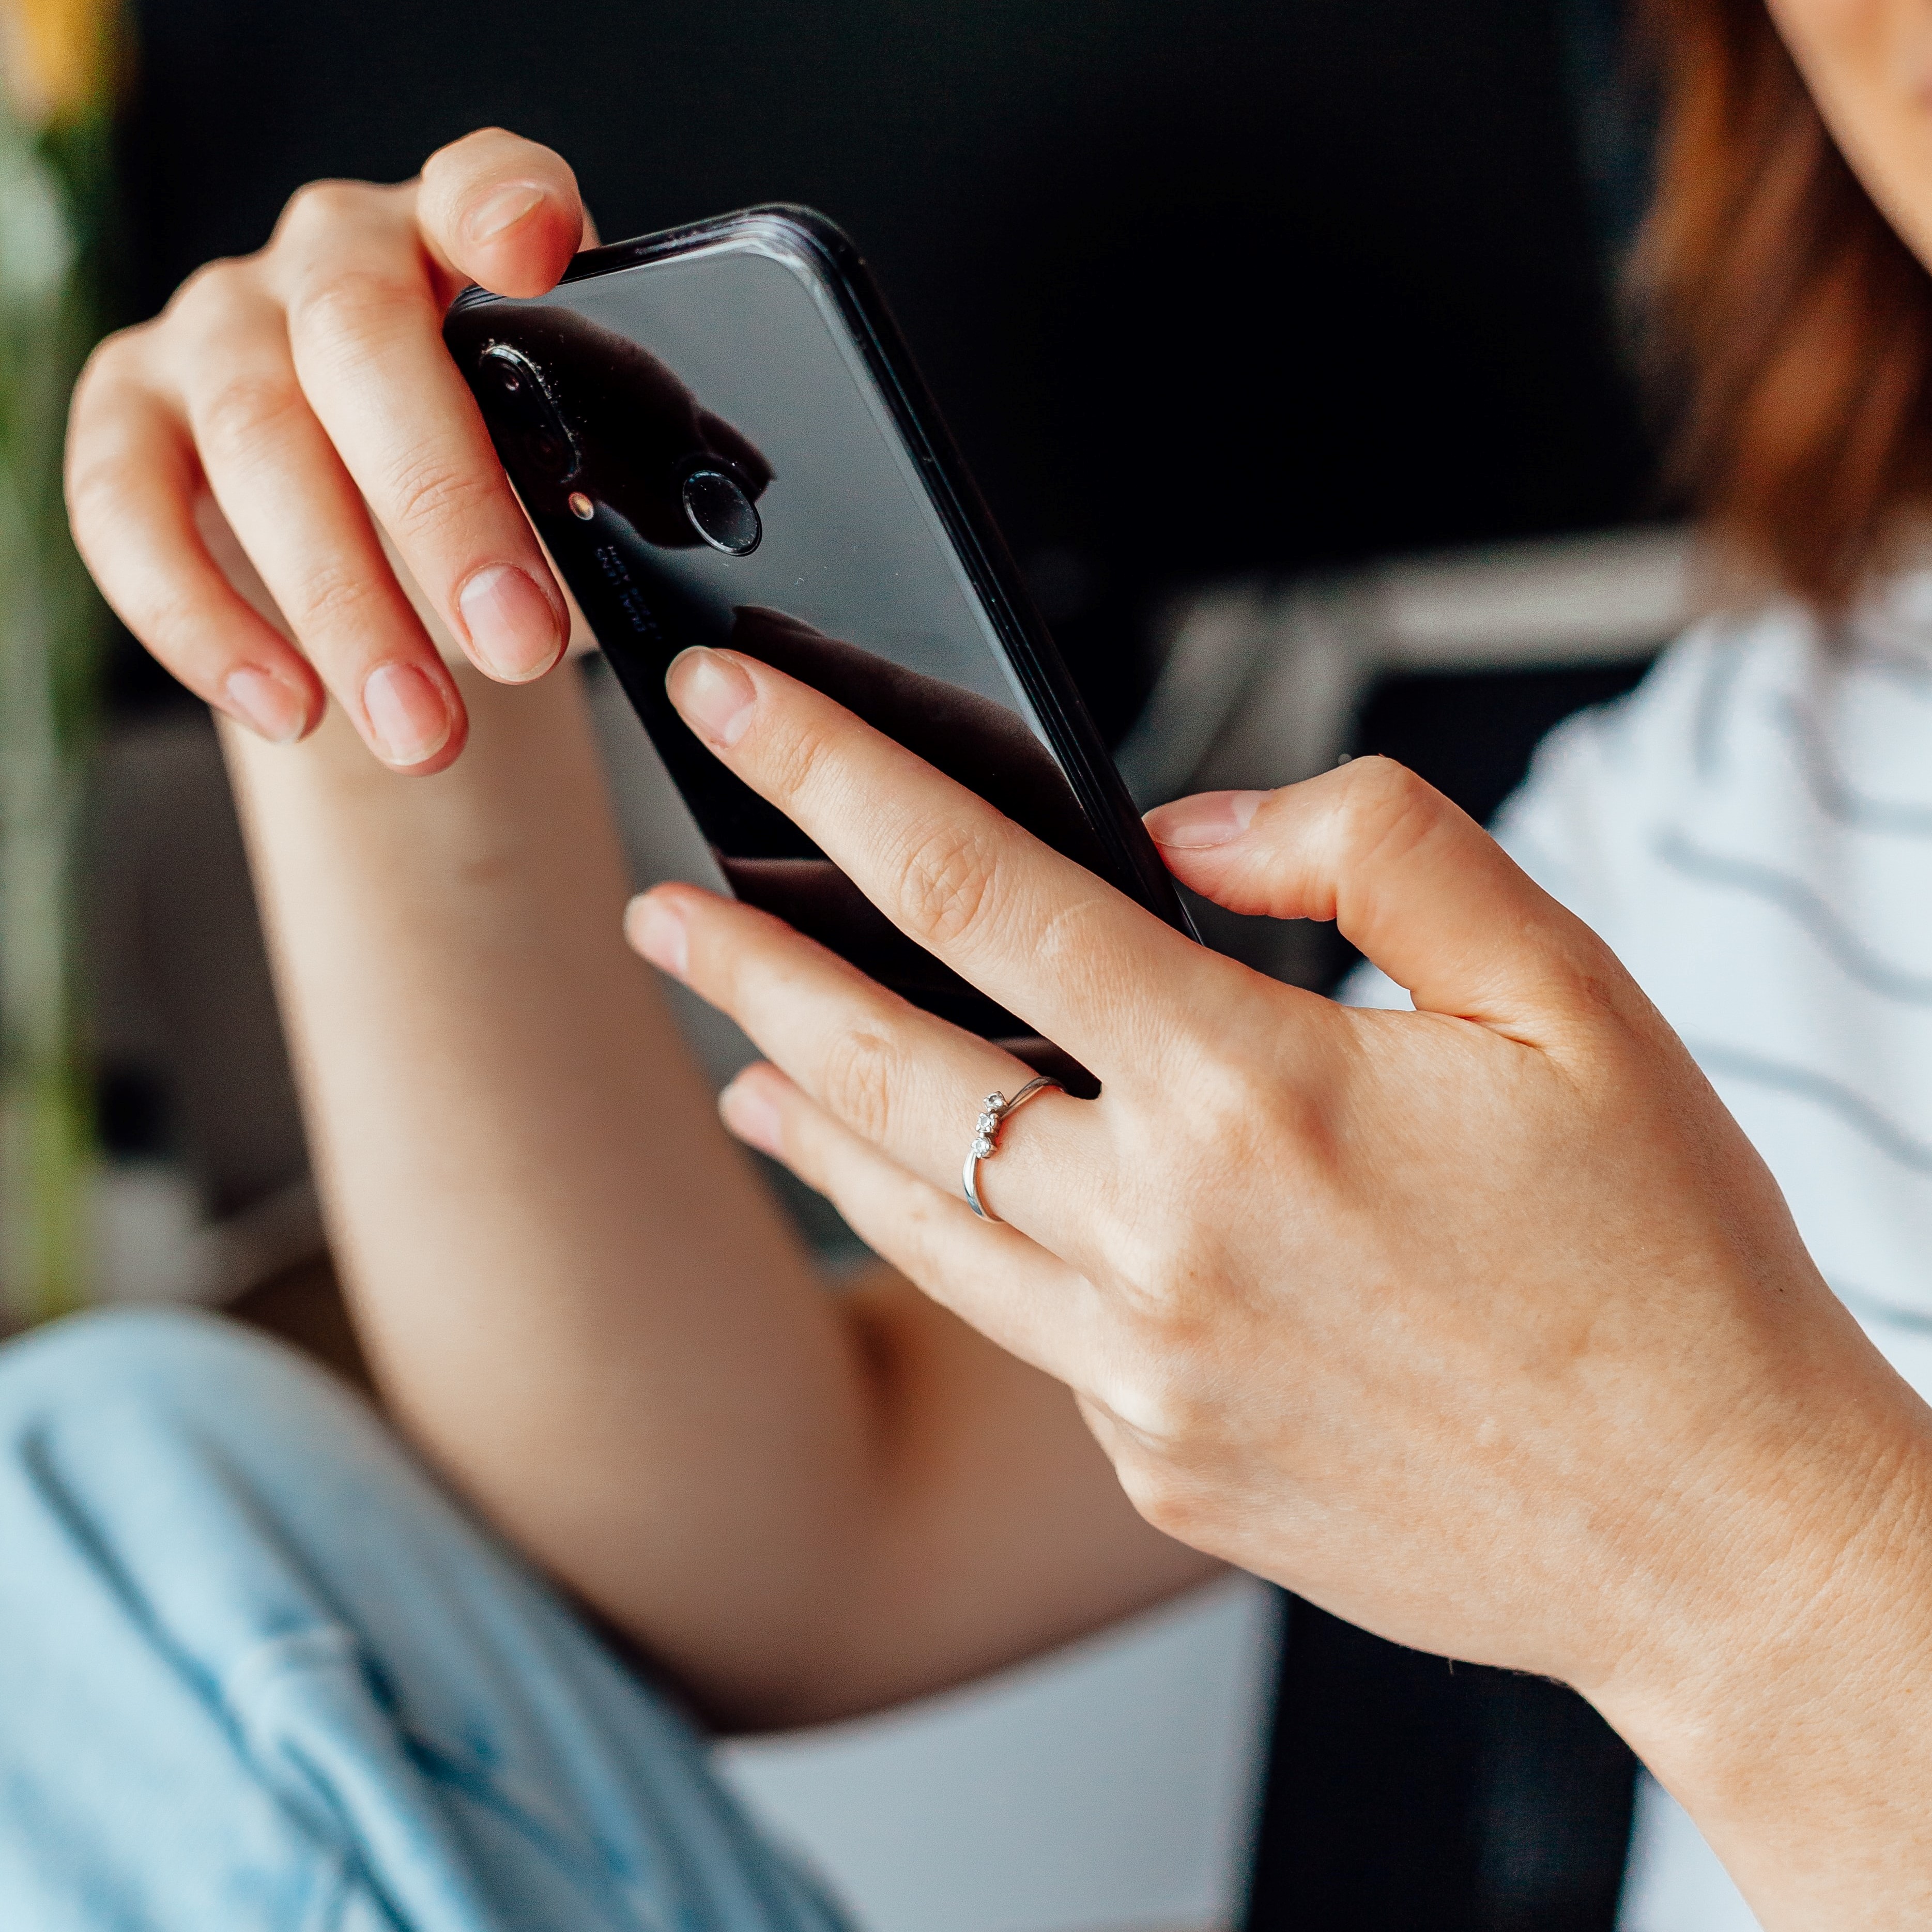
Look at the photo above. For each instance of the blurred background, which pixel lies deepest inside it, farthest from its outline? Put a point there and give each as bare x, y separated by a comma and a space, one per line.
1283, 337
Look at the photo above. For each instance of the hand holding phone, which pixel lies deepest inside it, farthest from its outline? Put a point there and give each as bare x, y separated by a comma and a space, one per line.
750, 449
307, 389
722, 441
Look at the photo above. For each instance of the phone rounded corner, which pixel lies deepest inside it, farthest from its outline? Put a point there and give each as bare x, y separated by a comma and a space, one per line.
803, 224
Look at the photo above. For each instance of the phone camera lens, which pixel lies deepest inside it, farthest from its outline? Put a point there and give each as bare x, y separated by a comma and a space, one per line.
722, 513
511, 369
526, 412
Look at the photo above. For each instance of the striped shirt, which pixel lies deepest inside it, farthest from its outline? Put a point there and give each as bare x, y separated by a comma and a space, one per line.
1751, 831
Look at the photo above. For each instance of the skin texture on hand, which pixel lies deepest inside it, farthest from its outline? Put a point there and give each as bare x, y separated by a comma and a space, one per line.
1483, 1326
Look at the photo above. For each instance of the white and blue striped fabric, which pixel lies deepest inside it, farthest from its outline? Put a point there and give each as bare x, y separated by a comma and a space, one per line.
1751, 831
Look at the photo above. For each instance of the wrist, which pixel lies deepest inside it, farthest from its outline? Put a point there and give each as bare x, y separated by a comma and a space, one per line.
1785, 1697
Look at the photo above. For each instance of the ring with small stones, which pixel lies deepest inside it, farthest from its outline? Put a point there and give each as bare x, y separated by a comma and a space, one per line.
993, 1117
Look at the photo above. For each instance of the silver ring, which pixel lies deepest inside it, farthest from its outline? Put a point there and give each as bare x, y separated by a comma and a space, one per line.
986, 1136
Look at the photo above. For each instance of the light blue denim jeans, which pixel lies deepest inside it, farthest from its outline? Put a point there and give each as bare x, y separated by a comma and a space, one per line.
257, 1671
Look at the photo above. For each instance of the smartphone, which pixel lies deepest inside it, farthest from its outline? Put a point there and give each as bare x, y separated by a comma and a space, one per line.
720, 436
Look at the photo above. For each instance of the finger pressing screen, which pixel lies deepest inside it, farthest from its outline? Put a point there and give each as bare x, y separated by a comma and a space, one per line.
1078, 961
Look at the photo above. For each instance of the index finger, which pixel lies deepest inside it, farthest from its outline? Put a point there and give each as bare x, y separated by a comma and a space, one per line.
1026, 924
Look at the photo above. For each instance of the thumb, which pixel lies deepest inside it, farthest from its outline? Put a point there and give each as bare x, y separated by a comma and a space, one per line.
497, 209
1408, 877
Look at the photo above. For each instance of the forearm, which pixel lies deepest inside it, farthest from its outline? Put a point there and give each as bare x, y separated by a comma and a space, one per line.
574, 1291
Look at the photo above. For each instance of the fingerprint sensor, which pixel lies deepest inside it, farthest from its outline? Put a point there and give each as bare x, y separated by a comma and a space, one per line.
721, 512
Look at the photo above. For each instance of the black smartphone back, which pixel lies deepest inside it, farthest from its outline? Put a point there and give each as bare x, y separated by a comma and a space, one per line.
721, 439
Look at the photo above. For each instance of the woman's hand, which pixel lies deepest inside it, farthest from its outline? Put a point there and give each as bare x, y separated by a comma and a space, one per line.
1483, 1326
307, 389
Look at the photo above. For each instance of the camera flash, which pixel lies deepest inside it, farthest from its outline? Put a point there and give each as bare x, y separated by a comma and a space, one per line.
581, 506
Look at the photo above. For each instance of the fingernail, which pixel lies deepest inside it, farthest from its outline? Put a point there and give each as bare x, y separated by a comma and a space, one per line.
409, 718
1214, 818
497, 213
712, 695
657, 930
513, 628
270, 708
751, 1114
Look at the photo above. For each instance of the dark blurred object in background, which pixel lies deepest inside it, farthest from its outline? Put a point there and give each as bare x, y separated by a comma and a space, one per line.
1407, 1794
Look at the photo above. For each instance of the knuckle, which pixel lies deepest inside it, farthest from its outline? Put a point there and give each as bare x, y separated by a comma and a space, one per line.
424, 491
113, 360
169, 619
1154, 1253
345, 308
1164, 1489
1224, 1096
232, 418
213, 301
94, 469
1387, 810
335, 597
862, 1074
1590, 983
1593, 985
799, 760
951, 877
1264, 1122
319, 207
1159, 1496
1144, 1263
95, 491
1223, 1114
922, 1237
478, 143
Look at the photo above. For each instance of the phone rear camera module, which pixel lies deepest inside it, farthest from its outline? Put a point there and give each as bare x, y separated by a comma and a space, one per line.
510, 369
523, 409
722, 513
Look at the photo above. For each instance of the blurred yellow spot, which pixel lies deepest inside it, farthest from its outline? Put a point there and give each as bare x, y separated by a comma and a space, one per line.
57, 56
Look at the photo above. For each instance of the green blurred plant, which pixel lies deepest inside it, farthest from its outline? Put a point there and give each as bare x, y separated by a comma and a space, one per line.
56, 199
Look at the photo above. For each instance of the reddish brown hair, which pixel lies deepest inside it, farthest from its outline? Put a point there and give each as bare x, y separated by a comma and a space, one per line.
1791, 326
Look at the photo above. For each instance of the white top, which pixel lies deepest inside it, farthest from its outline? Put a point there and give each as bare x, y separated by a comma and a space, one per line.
1751, 831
